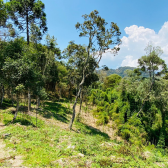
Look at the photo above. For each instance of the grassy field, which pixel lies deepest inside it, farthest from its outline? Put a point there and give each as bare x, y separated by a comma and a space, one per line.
51, 144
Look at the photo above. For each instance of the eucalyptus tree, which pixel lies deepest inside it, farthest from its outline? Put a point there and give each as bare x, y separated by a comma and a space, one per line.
99, 40
151, 63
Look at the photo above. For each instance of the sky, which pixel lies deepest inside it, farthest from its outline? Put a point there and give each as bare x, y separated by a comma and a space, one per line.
140, 22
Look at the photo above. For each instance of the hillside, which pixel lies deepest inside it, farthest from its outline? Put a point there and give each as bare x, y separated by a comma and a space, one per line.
120, 71
51, 144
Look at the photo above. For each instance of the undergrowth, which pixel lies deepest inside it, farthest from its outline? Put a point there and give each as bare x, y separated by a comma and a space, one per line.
52, 146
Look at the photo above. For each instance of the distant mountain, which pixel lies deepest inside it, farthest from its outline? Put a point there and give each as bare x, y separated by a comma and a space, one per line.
120, 71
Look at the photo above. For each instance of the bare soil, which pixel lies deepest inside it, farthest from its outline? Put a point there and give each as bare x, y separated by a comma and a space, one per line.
7, 156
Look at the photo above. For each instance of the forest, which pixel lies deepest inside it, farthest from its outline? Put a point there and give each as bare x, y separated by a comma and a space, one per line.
38, 82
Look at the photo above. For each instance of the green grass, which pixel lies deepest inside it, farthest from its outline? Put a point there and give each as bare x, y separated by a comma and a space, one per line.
51, 146
55, 110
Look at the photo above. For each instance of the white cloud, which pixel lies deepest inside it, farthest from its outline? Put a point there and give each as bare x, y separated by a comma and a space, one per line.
133, 46
128, 61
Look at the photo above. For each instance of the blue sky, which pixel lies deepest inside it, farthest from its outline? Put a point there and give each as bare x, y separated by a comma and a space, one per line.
140, 21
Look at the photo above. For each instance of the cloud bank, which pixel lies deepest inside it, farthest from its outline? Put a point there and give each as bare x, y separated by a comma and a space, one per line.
133, 46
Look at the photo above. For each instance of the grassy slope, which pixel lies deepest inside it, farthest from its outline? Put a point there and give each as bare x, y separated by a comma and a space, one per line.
51, 144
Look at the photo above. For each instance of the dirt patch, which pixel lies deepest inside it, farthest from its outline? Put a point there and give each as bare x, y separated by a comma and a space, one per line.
7, 156
89, 120
50, 121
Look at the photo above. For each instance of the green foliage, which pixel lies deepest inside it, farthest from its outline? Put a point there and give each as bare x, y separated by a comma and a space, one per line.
19, 88
3, 14
161, 142
112, 80
24, 13
138, 106
133, 95
152, 61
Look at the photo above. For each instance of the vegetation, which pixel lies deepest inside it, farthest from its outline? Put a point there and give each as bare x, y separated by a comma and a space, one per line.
49, 145
121, 71
38, 90
136, 104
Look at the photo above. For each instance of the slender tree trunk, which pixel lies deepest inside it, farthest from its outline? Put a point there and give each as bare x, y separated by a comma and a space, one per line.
2, 94
12, 97
69, 96
76, 89
27, 27
29, 100
37, 102
17, 109
60, 92
78, 117
25, 99
73, 114
81, 100
8, 93
82, 82
27, 32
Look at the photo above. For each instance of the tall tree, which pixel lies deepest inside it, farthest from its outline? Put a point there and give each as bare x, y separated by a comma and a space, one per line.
151, 63
94, 27
24, 13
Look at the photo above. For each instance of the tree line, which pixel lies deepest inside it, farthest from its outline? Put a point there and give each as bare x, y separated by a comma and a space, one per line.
31, 69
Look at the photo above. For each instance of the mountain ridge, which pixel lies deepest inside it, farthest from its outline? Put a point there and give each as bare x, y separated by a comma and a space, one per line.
120, 71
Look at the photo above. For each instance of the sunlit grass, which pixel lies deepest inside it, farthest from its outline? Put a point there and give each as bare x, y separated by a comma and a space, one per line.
51, 146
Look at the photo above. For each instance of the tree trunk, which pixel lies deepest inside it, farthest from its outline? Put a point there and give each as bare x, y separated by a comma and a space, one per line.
69, 96
25, 99
27, 27
82, 82
60, 94
2, 94
12, 97
29, 100
78, 117
37, 102
8, 93
73, 114
17, 109
81, 100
